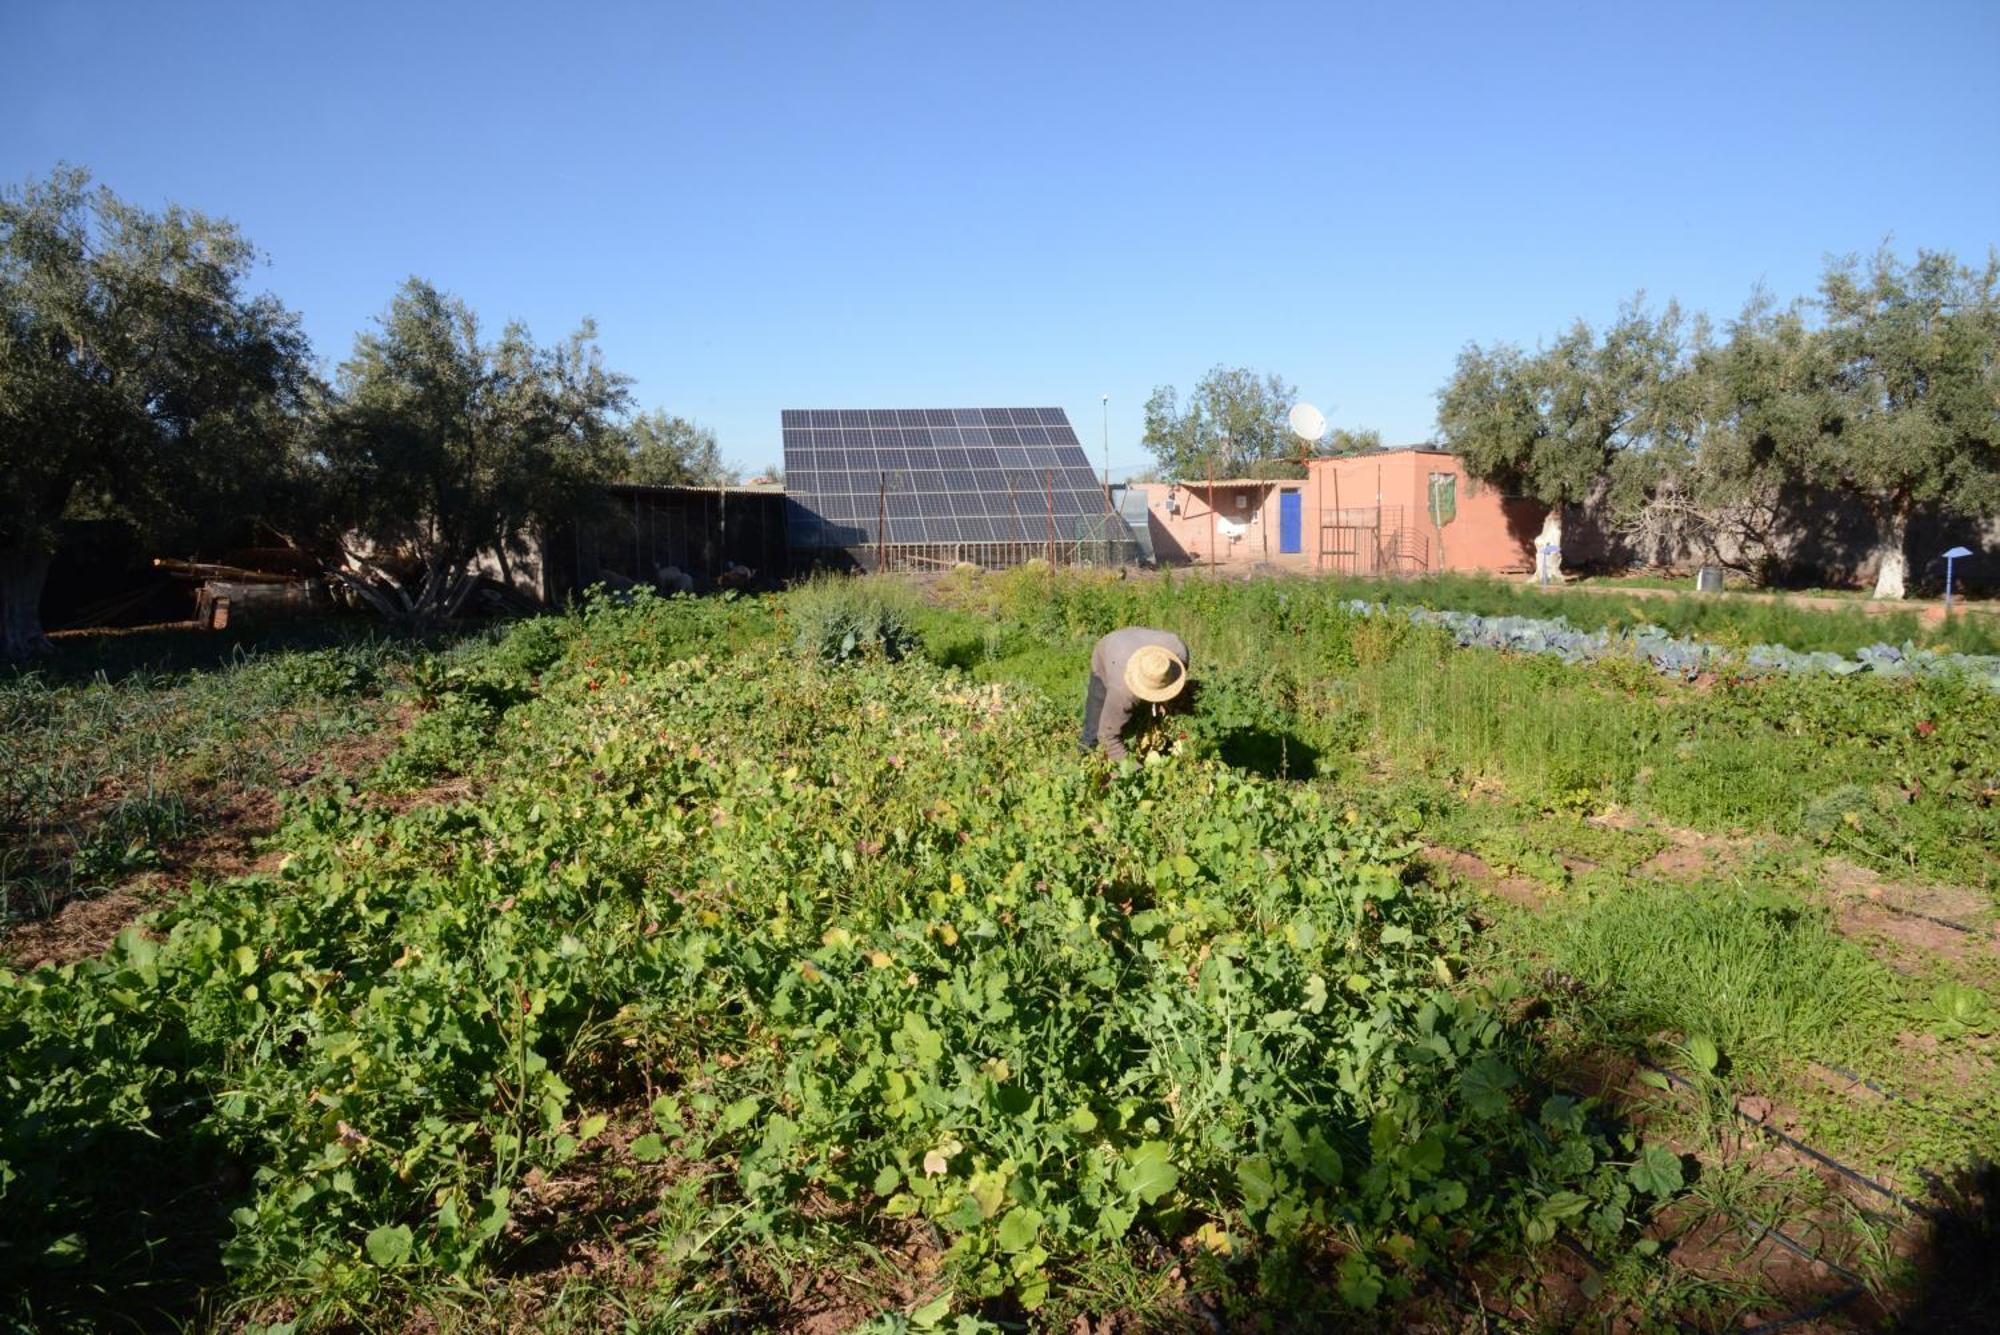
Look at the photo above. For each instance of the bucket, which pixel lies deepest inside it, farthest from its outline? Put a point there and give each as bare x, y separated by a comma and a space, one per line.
1708, 580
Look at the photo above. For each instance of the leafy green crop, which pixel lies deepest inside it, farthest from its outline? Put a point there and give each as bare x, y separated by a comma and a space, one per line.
830, 949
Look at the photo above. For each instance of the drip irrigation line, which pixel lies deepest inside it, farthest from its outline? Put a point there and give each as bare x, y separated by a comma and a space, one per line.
1862, 1080
1760, 1231
1575, 1244
1792, 1142
1777, 1235
1792, 1245
1930, 917
1818, 1309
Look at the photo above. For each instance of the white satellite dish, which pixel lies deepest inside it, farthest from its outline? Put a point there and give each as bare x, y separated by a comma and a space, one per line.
1308, 422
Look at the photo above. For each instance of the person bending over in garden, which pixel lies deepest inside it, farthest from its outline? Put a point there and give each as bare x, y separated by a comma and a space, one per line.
1130, 669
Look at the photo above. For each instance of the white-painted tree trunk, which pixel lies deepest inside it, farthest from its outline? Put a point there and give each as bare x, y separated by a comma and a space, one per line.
1548, 548
1892, 557
22, 575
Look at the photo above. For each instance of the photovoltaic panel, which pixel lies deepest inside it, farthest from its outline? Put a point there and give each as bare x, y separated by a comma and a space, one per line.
935, 475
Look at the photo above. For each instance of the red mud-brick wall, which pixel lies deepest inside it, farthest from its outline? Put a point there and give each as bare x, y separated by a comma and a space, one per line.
1491, 532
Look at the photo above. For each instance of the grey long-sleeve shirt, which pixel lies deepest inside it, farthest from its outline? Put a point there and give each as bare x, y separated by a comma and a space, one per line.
1110, 703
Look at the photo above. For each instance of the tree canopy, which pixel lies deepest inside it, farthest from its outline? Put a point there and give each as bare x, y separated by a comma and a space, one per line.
441, 445
1553, 423
1886, 387
1233, 420
1342, 441
662, 450
138, 379
1912, 359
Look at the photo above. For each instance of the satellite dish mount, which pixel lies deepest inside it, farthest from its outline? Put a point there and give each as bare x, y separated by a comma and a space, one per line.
1309, 425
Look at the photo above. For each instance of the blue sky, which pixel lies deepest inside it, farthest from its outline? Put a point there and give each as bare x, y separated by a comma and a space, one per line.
873, 205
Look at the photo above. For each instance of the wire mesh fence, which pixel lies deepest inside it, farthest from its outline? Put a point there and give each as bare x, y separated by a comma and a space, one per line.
1088, 540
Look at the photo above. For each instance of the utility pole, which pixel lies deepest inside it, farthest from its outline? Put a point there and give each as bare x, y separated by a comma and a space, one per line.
1107, 444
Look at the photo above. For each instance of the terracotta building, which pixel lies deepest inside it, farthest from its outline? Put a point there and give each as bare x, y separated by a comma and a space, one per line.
1403, 511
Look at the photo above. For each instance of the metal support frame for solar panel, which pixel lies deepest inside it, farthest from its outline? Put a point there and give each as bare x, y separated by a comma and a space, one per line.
918, 489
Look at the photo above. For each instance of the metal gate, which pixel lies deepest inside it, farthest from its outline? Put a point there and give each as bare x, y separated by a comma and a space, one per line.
1372, 540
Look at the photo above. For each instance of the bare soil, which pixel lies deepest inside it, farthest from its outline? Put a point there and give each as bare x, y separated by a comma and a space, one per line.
231, 827
1471, 867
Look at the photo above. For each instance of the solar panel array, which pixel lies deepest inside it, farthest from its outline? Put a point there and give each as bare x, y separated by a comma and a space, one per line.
941, 475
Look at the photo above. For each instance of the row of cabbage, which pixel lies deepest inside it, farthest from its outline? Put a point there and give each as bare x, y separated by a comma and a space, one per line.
1682, 657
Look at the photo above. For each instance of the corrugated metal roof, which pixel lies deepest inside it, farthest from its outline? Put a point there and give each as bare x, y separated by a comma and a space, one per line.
648, 489
1220, 484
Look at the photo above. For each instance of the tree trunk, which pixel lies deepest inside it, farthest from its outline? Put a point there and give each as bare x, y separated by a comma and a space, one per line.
1549, 548
22, 575
1892, 558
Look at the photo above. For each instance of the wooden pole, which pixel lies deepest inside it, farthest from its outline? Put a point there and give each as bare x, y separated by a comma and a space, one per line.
1335, 470
1211, 516
1020, 534
1108, 526
1319, 504
881, 522
1049, 482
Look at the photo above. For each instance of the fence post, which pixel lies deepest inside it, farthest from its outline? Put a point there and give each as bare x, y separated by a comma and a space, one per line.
1211, 515
1049, 482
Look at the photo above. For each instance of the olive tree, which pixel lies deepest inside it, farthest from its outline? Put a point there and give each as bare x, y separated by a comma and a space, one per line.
1233, 421
1755, 401
1913, 367
662, 450
138, 380
1560, 422
1886, 388
441, 445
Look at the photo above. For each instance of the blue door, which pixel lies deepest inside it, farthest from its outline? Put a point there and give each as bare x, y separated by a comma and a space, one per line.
1289, 521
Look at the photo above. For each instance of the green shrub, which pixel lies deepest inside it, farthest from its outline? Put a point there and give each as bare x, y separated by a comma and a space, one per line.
531, 647
445, 741
321, 673
130, 836
841, 618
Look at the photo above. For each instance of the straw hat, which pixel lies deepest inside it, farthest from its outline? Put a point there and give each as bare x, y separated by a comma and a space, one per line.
1153, 673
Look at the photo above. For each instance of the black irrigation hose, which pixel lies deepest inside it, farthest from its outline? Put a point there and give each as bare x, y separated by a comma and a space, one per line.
1930, 917
1777, 1235
1862, 1080
1791, 1142
1821, 1308
1818, 1309
1796, 1248
1772, 1231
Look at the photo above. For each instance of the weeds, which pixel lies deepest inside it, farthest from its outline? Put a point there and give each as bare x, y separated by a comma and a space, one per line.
100, 774
807, 973
1756, 977
838, 619
852, 951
